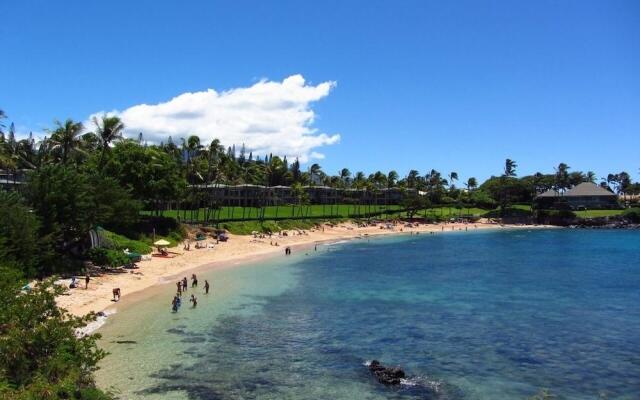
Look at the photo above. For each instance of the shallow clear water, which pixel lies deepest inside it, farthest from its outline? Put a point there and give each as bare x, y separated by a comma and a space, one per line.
482, 315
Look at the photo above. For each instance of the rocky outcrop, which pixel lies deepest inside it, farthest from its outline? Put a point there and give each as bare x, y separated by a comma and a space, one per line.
386, 375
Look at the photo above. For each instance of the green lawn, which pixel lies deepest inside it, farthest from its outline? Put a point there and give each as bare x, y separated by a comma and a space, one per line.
598, 213
342, 211
314, 211
273, 212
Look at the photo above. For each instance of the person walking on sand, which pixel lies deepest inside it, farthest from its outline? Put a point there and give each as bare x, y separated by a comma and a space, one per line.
86, 282
206, 286
179, 285
116, 294
194, 300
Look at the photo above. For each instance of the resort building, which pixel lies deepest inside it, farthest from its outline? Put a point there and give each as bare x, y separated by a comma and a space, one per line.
586, 195
260, 196
12, 179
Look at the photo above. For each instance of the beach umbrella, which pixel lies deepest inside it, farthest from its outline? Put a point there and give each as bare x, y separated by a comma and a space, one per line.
162, 242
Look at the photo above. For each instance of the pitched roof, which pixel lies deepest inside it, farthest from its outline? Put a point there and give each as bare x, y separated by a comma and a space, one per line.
549, 193
588, 189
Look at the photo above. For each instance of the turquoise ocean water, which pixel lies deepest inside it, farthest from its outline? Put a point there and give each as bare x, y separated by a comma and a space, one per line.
483, 315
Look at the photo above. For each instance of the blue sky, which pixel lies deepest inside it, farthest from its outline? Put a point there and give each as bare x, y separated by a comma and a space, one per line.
456, 86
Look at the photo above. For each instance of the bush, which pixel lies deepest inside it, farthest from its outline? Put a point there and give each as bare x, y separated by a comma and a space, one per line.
508, 213
107, 257
556, 214
246, 227
633, 215
119, 242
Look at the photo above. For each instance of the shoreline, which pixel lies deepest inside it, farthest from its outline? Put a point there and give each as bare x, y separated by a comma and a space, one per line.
239, 250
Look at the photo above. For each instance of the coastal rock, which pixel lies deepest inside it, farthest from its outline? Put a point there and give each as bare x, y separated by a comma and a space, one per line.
386, 375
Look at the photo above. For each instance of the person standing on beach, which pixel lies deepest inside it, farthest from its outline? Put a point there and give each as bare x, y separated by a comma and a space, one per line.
86, 282
206, 286
179, 285
184, 284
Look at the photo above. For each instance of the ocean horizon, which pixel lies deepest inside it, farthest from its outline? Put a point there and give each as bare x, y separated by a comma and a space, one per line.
468, 315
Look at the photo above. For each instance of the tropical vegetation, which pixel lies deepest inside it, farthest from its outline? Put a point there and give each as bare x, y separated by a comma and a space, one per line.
78, 179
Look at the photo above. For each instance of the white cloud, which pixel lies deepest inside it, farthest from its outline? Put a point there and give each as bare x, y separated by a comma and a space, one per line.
268, 117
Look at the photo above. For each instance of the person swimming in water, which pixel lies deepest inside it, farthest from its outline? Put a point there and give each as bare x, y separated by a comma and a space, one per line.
194, 300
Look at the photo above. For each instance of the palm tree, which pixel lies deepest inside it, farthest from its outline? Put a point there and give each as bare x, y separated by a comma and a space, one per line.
359, 180
562, 177
345, 175
509, 168
509, 172
453, 176
471, 184
2, 116
412, 179
65, 139
108, 130
392, 178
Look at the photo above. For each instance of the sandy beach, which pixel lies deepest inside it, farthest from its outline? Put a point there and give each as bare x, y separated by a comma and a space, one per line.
237, 250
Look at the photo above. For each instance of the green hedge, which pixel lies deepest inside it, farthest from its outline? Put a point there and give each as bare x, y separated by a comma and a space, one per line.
107, 257
119, 242
246, 227
632, 214
556, 214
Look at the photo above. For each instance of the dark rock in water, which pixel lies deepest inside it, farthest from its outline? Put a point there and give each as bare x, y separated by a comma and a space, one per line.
126, 341
386, 375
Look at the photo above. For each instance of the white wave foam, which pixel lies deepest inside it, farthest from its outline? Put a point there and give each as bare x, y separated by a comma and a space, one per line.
435, 385
408, 382
94, 325
367, 363
336, 243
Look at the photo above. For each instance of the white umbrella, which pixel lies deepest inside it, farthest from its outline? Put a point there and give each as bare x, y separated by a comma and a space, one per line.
162, 242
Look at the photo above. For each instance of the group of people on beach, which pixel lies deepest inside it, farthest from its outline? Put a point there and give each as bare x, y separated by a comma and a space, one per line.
182, 286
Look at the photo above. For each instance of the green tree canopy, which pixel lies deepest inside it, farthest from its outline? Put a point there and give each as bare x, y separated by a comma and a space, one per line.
149, 173
41, 357
19, 242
